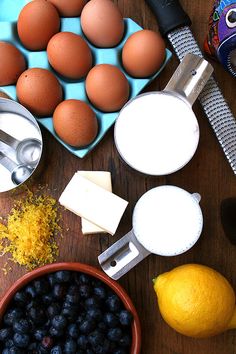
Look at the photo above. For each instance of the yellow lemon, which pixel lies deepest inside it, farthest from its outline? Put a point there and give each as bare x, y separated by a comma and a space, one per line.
196, 300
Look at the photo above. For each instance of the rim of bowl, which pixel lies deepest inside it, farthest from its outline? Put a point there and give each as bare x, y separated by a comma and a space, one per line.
79, 267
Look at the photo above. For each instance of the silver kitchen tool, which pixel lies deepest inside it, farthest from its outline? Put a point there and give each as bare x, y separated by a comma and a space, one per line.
174, 23
157, 133
16, 121
28, 151
167, 221
19, 173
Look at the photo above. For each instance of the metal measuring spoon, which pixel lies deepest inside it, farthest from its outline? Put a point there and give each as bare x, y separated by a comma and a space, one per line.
19, 173
228, 218
28, 151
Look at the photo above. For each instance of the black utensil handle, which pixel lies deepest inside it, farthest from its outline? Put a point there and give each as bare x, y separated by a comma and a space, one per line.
170, 15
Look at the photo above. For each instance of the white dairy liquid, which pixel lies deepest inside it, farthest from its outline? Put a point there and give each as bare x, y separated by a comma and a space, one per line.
156, 133
167, 220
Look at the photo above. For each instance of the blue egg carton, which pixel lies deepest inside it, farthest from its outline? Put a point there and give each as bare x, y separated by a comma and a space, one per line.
9, 12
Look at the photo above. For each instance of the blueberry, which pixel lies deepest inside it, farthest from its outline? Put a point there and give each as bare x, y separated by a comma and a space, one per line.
47, 342
114, 334
39, 334
73, 298
53, 310
100, 292
125, 318
52, 279
21, 298
33, 346
73, 289
102, 327
103, 348
82, 341
63, 276
30, 290
33, 303
85, 291
81, 278
12, 315
92, 302
95, 338
21, 340
41, 286
70, 312
113, 303
14, 350
110, 320
95, 314
37, 315
59, 322
5, 334
73, 330
120, 351
5, 351
47, 299
59, 291
56, 350
9, 343
70, 346
80, 319
87, 326
42, 350
89, 351
54, 332
21, 326
125, 341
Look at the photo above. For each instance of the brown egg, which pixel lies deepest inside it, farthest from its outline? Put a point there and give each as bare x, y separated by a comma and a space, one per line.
102, 23
70, 55
75, 123
107, 87
69, 8
12, 64
4, 95
37, 23
39, 91
143, 53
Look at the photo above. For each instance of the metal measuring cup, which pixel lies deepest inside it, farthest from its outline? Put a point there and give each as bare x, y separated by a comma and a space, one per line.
167, 221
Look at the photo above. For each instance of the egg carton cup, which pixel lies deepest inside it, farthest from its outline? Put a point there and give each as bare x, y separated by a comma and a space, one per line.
9, 12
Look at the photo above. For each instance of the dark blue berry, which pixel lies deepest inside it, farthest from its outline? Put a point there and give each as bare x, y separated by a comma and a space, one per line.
73, 289
125, 318
100, 292
63, 276
21, 298
82, 341
39, 334
47, 299
30, 290
82, 279
21, 326
52, 279
89, 351
114, 334
54, 332
80, 319
70, 346
95, 338
87, 326
56, 350
103, 348
9, 343
33, 346
53, 310
113, 303
73, 330
37, 315
41, 286
5, 351
120, 351
92, 302
94, 314
15, 350
110, 320
85, 291
21, 340
59, 322
5, 334
59, 291
125, 341
72, 298
47, 342
12, 315
102, 327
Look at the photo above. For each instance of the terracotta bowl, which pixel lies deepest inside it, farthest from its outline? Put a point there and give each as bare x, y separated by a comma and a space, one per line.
79, 267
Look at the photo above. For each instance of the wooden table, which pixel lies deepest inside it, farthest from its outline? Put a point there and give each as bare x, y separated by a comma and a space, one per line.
208, 173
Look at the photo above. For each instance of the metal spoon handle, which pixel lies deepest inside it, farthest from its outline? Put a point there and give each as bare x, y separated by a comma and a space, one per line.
8, 139
8, 163
122, 256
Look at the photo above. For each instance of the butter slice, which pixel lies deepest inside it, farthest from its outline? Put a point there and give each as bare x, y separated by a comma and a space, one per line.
102, 179
93, 203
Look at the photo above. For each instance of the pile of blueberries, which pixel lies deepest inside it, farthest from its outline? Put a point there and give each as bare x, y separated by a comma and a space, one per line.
66, 312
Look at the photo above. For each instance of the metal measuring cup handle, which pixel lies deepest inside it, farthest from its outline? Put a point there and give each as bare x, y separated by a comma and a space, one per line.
122, 256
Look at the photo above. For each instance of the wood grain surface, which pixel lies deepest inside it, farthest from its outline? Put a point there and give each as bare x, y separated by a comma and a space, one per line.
208, 173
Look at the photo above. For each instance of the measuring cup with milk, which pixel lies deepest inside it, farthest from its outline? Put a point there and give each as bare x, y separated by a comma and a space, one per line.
167, 221
157, 133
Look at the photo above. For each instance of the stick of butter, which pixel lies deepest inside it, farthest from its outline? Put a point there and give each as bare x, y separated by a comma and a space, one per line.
102, 179
93, 203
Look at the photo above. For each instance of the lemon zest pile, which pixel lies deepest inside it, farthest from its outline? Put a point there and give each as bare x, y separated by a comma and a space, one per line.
30, 232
